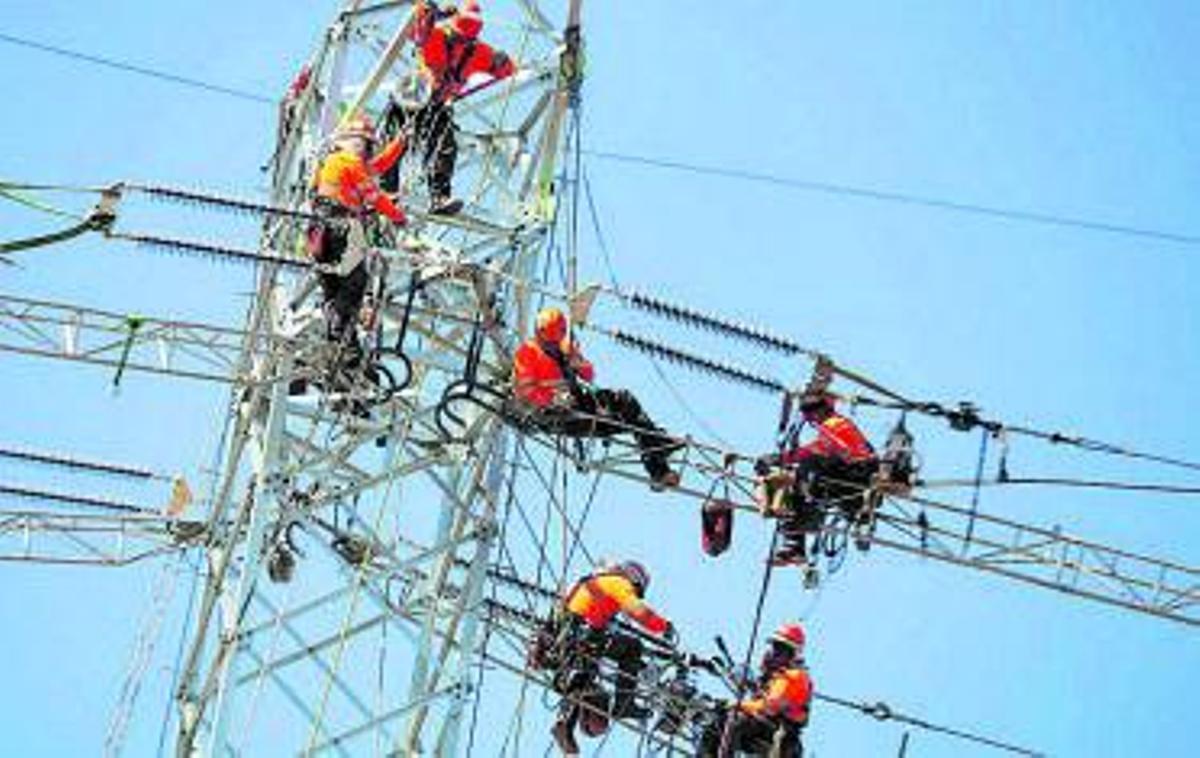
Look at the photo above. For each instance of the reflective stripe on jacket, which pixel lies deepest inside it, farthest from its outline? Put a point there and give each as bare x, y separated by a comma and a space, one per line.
788, 694
596, 599
350, 181
837, 437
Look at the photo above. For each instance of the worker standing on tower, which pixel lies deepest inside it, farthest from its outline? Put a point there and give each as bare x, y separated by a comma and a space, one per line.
346, 193
836, 466
587, 633
552, 388
450, 53
769, 723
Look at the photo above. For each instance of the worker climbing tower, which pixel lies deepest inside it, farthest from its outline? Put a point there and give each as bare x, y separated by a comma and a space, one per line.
349, 538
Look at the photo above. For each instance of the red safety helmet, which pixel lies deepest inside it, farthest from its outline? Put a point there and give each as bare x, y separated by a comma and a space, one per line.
635, 573
551, 325
790, 634
468, 21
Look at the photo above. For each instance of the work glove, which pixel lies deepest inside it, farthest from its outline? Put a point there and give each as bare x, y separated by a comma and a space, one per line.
670, 635
764, 464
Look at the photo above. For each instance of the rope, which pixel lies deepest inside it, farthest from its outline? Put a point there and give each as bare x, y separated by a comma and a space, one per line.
983, 440
727, 735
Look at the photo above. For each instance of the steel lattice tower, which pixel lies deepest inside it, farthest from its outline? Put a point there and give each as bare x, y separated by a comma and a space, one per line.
409, 520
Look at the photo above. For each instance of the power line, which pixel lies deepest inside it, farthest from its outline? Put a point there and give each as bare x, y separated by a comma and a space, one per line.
868, 193
794, 183
133, 68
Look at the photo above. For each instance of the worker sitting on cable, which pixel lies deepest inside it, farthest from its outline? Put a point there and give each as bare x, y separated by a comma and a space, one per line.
769, 722
551, 387
588, 634
836, 467
346, 192
449, 53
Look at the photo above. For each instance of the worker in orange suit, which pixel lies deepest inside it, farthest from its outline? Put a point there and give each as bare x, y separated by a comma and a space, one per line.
346, 194
589, 633
449, 54
776, 711
552, 381
837, 465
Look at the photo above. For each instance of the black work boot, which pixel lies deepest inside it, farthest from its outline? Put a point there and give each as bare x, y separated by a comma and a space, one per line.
787, 556
661, 475
444, 205
564, 737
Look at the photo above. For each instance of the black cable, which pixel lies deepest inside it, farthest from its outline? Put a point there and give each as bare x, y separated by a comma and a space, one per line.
966, 417
828, 188
882, 712
867, 193
135, 69
1169, 489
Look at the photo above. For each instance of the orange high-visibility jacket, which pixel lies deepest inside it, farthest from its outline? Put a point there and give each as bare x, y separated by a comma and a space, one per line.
787, 694
448, 59
350, 180
537, 375
837, 437
596, 599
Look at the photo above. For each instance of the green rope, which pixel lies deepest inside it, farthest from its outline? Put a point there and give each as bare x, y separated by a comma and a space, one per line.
133, 323
8, 193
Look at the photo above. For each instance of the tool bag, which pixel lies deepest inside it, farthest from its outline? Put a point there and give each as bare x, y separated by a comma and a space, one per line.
716, 521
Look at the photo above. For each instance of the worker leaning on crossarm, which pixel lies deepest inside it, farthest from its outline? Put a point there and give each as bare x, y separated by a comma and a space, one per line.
838, 463
346, 189
551, 382
589, 608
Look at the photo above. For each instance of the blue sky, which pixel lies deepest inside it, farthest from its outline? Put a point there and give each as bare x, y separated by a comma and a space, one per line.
1083, 110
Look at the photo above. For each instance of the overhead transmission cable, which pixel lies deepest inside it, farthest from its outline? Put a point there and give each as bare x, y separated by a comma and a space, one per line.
794, 183
963, 418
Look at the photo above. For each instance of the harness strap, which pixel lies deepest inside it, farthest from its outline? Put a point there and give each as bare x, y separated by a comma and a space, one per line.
453, 79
